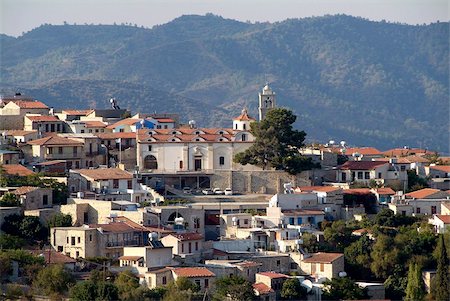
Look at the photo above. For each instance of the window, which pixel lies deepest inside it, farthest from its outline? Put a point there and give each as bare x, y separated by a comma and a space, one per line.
403, 168
433, 209
206, 283
196, 246
181, 165
299, 221
244, 137
67, 238
322, 267
236, 127
45, 200
72, 240
360, 175
75, 150
379, 175
77, 254
82, 131
164, 280
197, 282
291, 221
344, 176
190, 247
278, 262
58, 127
149, 148
79, 240
121, 130
418, 210
158, 126
60, 150
182, 248
165, 126
46, 127
221, 160
130, 184
244, 126
367, 175
90, 237
115, 183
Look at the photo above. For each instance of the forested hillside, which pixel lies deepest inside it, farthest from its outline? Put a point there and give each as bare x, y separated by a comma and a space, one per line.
346, 78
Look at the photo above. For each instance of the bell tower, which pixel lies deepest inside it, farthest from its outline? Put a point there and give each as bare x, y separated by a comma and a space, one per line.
266, 101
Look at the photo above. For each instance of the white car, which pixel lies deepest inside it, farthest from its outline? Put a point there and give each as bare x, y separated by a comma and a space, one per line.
207, 191
187, 190
218, 191
228, 191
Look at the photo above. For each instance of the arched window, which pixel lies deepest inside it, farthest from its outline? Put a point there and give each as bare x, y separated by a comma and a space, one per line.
221, 160
150, 162
244, 126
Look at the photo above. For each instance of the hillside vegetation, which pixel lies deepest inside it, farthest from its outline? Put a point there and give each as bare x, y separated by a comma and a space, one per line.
346, 78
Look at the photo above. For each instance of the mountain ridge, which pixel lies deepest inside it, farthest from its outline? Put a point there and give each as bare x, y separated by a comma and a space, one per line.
347, 78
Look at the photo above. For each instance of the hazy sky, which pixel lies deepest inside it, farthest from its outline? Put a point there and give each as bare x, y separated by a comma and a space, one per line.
17, 16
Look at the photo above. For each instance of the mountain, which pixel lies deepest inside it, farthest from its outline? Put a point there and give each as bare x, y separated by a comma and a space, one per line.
347, 78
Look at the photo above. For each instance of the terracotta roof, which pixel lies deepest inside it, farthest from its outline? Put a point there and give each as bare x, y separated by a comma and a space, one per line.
262, 289
361, 165
123, 135
187, 135
422, 193
52, 162
399, 152
43, 118
385, 190
445, 160
164, 120
105, 174
244, 116
127, 121
362, 231
187, 236
130, 223
55, 140
117, 227
273, 275
132, 258
317, 188
193, 272
219, 252
366, 151
19, 132
357, 191
78, 112
95, 124
16, 169
323, 257
444, 218
23, 104
444, 168
54, 257
246, 264
25, 189
299, 212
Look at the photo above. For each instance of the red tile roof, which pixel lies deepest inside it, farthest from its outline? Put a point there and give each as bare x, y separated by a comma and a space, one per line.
119, 227
55, 140
361, 165
357, 191
43, 118
23, 104
16, 169
400, 152
246, 264
164, 120
123, 135
323, 257
444, 168
385, 190
244, 116
366, 151
127, 121
273, 275
193, 272
105, 174
422, 193
53, 257
262, 289
95, 124
188, 236
25, 189
78, 112
299, 212
132, 258
19, 132
444, 218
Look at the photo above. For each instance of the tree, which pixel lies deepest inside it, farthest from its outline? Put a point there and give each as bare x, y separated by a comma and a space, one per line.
292, 289
26, 227
9, 200
441, 282
384, 256
233, 288
53, 280
8, 241
276, 144
84, 291
60, 220
415, 182
310, 243
126, 284
338, 235
415, 290
343, 289
357, 258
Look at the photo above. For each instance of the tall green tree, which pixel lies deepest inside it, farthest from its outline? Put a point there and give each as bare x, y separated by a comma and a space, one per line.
9, 200
276, 144
60, 220
126, 283
441, 282
415, 290
293, 290
233, 288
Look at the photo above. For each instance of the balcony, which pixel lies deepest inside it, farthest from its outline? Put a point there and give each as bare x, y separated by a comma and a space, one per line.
124, 243
92, 154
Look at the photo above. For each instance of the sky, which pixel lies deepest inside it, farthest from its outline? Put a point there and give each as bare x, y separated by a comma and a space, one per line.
19, 16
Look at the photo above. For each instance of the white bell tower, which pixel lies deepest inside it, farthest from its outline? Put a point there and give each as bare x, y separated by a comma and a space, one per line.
266, 101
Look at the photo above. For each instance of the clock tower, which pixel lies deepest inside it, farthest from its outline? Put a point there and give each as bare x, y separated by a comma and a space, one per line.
266, 101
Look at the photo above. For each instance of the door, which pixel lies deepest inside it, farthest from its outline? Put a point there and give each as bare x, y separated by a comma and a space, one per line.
197, 163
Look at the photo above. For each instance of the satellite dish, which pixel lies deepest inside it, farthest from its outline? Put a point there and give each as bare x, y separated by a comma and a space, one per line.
179, 221
332, 142
343, 143
153, 236
307, 284
342, 274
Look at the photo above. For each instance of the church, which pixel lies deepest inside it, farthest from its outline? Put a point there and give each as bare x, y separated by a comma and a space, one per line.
201, 150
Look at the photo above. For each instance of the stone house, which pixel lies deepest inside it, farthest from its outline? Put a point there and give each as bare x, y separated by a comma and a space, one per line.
323, 265
33, 198
186, 245
201, 276
272, 279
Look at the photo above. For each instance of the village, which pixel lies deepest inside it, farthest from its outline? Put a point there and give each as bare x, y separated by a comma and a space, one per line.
158, 199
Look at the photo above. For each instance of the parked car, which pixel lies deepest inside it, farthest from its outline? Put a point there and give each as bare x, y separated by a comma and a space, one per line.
187, 190
218, 191
228, 191
207, 191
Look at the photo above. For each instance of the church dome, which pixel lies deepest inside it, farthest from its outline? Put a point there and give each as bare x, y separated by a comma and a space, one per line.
267, 89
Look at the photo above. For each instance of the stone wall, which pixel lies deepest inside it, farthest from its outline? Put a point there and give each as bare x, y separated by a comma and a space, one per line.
11, 122
262, 181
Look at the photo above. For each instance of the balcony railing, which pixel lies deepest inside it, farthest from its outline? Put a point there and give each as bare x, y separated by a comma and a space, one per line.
111, 244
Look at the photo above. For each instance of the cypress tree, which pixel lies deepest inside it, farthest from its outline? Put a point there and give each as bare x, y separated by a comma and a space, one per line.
441, 282
415, 290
